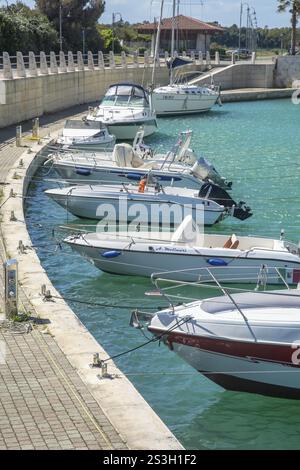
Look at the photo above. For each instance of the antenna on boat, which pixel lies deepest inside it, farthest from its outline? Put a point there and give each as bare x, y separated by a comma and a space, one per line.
282, 234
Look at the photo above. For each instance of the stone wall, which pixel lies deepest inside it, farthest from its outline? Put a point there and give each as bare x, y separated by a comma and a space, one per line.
46, 86
238, 76
287, 71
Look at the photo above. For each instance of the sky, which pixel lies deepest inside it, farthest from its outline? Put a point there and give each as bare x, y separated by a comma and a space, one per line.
226, 12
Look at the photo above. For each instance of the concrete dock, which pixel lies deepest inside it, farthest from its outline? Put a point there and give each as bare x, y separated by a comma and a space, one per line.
50, 397
255, 94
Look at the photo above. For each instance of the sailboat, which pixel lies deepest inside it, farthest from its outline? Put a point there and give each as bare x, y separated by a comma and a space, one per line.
180, 98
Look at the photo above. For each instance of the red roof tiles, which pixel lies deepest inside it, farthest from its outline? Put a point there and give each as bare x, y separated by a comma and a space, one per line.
184, 23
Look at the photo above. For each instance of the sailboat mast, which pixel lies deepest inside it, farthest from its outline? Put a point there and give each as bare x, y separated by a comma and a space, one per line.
173, 41
156, 52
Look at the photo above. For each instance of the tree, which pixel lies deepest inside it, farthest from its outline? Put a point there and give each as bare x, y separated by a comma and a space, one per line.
78, 17
23, 29
294, 9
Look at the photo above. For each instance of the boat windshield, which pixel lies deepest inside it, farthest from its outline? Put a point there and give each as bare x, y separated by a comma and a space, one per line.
125, 95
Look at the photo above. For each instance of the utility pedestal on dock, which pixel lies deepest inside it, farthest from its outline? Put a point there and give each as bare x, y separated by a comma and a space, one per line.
11, 288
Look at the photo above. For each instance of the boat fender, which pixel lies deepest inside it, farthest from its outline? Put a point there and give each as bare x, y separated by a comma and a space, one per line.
216, 262
83, 171
110, 254
133, 176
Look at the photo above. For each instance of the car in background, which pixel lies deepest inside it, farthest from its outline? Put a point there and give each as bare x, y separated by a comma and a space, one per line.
242, 53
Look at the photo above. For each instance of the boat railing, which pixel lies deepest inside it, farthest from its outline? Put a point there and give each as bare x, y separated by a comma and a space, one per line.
212, 281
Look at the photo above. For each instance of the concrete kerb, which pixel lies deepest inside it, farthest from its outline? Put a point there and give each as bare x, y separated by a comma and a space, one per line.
128, 412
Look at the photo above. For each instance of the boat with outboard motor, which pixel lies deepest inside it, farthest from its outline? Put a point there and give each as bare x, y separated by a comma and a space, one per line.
245, 341
146, 204
182, 255
179, 167
85, 135
124, 109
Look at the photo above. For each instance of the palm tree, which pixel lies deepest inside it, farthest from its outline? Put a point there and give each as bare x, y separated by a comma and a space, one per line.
294, 8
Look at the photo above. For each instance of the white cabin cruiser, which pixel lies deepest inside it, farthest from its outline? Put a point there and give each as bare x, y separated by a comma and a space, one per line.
182, 255
155, 205
124, 109
85, 135
246, 342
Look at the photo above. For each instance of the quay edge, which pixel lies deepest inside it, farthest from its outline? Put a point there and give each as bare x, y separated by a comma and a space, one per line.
126, 409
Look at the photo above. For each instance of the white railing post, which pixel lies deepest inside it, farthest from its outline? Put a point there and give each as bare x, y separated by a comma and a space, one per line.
217, 58
135, 59
80, 64
71, 65
21, 72
62, 62
43, 64
200, 57
146, 58
91, 65
253, 58
193, 58
232, 58
32, 65
7, 70
112, 63
100, 60
53, 63
166, 56
208, 61
123, 59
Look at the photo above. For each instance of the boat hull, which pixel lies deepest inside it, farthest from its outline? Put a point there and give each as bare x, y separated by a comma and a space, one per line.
90, 173
184, 267
175, 104
131, 208
127, 131
244, 373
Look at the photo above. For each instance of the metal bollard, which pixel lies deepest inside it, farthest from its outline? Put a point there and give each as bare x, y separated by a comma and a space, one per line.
19, 136
35, 129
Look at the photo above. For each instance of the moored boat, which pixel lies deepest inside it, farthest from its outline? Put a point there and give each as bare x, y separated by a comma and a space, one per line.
246, 342
124, 109
85, 135
182, 255
153, 204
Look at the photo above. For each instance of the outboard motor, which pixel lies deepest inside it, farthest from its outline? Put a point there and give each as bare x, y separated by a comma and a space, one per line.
219, 195
205, 171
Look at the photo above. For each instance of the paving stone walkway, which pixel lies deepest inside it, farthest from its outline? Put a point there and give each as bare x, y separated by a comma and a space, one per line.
44, 404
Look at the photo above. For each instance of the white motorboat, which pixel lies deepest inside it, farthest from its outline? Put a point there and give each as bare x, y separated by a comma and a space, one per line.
246, 342
85, 135
183, 255
153, 205
180, 167
124, 109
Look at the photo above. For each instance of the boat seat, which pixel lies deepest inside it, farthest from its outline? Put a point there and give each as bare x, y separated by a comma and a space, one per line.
123, 155
235, 245
186, 232
232, 243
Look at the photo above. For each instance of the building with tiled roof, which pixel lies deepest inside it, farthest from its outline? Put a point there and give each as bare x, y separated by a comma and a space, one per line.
191, 34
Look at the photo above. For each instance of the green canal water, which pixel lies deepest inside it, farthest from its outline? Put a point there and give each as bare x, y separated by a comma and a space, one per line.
257, 146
